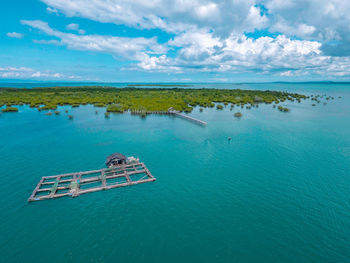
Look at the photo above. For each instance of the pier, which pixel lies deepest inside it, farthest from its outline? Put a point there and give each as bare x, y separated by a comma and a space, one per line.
150, 112
75, 184
171, 111
179, 114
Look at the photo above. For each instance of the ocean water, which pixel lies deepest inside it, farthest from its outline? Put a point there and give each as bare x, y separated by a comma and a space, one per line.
279, 191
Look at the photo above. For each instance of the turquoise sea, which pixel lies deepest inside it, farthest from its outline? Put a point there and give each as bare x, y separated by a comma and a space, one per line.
279, 191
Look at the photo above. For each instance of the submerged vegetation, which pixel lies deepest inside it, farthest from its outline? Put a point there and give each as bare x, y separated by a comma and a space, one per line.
115, 108
283, 109
238, 114
10, 109
140, 99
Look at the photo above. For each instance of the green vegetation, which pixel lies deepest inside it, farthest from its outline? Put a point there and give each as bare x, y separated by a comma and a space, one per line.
283, 109
258, 99
10, 109
115, 108
219, 107
238, 114
158, 85
140, 99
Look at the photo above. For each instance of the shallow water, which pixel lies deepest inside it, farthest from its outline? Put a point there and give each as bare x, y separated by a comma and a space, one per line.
277, 192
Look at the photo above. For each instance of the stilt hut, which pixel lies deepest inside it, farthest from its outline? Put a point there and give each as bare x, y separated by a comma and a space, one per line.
115, 159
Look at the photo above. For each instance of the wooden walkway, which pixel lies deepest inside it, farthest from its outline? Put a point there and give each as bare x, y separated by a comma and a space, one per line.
75, 184
177, 113
151, 112
171, 112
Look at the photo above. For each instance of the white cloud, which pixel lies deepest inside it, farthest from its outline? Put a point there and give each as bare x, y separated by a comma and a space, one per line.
207, 11
301, 30
255, 20
121, 47
75, 27
29, 73
320, 20
239, 54
14, 69
211, 35
47, 42
15, 35
201, 50
288, 73
168, 15
14, 72
39, 74
52, 10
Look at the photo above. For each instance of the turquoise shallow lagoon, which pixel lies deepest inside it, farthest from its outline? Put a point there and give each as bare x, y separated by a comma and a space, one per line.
279, 191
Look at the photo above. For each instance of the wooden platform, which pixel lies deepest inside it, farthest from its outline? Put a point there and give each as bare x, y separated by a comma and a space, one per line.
75, 184
171, 112
186, 117
150, 112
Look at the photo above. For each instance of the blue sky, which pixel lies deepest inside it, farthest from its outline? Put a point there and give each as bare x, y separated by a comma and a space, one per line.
175, 41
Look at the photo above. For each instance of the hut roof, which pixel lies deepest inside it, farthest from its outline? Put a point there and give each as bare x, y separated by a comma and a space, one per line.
115, 156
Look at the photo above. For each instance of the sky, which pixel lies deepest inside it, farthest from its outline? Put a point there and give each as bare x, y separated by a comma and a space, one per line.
175, 40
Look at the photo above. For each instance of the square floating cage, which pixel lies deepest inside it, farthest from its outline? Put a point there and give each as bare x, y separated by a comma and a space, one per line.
75, 184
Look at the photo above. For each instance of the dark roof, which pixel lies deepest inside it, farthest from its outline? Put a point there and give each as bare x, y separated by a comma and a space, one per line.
115, 156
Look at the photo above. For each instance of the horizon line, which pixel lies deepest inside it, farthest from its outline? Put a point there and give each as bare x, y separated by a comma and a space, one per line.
166, 82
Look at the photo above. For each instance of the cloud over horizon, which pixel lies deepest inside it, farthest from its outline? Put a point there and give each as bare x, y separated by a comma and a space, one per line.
270, 37
29, 73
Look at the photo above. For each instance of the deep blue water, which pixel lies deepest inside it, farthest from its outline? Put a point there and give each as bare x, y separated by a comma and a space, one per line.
277, 192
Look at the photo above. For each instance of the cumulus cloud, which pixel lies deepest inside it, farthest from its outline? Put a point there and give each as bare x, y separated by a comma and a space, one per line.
52, 10
29, 73
14, 35
47, 75
212, 35
321, 20
75, 27
121, 47
168, 15
238, 53
201, 50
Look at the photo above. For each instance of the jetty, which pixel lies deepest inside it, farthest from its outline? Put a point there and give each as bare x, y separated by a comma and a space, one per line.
139, 112
179, 114
75, 184
171, 111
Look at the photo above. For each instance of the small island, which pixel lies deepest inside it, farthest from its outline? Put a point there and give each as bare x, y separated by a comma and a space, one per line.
283, 109
238, 114
10, 109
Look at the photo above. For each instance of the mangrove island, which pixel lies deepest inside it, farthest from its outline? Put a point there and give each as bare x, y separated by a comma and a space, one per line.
139, 99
